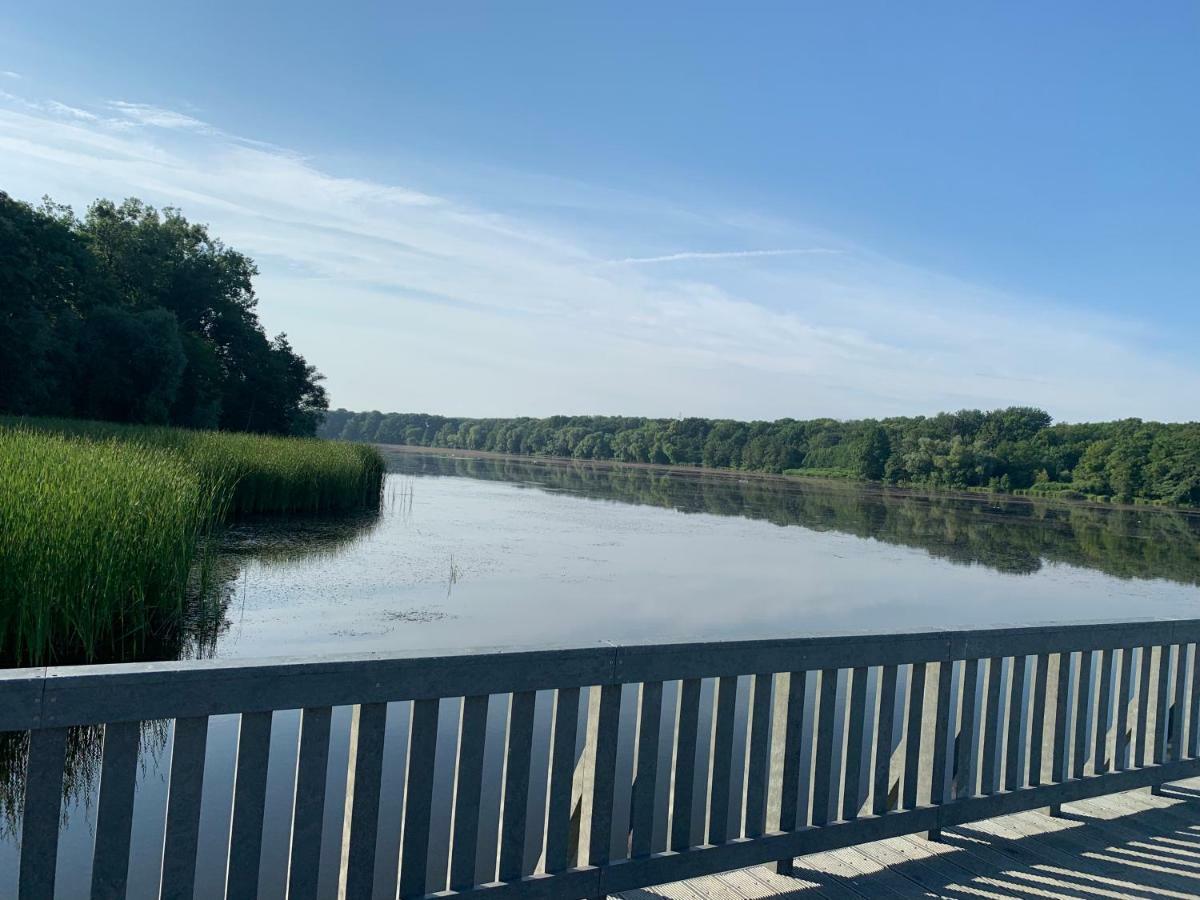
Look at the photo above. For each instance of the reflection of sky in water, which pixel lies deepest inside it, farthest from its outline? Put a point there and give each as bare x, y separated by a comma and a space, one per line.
468, 562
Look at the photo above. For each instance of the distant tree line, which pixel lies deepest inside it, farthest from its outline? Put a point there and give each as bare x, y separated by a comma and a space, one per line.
1007, 450
132, 315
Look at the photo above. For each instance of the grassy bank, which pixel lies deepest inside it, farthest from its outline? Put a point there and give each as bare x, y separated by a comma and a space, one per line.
101, 525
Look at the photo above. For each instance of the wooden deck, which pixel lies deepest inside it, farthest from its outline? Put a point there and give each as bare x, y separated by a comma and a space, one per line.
1131, 845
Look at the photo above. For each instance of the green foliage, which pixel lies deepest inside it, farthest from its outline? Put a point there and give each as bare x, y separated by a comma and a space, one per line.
871, 451
96, 540
100, 524
132, 315
1005, 450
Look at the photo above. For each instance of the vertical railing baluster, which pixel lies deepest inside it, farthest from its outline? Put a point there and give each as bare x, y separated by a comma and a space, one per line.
183, 808
114, 815
912, 738
685, 764
646, 777
516, 784
1102, 709
249, 804
418, 798
1062, 702
39, 826
856, 728
1178, 708
472, 739
758, 770
824, 729
1037, 720
1083, 698
1124, 696
993, 725
1013, 775
600, 850
1193, 743
939, 791
1143, 716
367, 726
562, 770
308, 811
883, 740
967, 738
1161, 705
722, 762
789, 792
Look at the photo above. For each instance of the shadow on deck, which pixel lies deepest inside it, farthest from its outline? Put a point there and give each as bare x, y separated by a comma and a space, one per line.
1131, 845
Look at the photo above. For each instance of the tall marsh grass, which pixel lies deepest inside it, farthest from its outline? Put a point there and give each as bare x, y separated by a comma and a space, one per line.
102, 526
260, 474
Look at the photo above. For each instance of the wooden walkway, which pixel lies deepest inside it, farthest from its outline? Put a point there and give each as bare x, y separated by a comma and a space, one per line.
1131, 845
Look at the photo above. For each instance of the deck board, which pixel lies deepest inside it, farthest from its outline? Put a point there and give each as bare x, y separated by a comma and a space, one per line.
1134, 845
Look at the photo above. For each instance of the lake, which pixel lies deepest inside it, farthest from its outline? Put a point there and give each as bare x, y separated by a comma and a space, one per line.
485, 552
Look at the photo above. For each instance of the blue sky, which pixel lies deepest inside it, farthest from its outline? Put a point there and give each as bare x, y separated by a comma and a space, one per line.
747, 210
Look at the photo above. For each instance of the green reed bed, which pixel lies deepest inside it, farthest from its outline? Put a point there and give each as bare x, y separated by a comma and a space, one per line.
264, 474
95, 540
101, 526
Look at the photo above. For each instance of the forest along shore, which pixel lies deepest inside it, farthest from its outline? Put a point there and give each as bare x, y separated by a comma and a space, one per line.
880, 488
1008, 451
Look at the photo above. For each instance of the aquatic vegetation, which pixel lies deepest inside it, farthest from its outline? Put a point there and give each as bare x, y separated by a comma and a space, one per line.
260, 473
102, 526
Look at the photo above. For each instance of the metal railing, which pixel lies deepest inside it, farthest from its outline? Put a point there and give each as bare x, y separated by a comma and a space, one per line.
654, 763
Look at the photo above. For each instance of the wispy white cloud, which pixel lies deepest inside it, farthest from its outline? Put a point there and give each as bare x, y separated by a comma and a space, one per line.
15, 76
411, 298
71, 111
145, 114
693, 255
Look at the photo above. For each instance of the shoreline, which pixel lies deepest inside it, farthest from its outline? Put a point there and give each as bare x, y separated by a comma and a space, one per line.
742, 474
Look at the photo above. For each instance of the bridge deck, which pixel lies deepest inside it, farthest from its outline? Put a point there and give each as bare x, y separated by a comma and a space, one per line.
1125, 845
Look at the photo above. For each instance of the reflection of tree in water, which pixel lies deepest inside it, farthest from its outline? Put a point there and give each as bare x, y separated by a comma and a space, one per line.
81, 769
191, 636
1010, 535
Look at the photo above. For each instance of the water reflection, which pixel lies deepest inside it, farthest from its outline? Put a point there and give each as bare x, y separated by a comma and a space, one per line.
1007, 534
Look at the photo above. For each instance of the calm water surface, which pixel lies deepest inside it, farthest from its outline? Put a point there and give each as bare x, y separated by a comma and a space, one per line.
480, 552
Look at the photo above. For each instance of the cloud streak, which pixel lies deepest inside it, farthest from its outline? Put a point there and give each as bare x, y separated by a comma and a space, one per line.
413, 299
696, 255
145, 114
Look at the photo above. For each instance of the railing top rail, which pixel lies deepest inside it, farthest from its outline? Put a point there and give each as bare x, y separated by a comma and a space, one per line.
79, 695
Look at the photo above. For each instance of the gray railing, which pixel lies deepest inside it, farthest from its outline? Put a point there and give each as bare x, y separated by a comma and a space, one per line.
653, 763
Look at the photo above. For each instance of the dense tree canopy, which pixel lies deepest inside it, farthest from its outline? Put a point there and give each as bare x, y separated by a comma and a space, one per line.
1003, 450
132, 315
